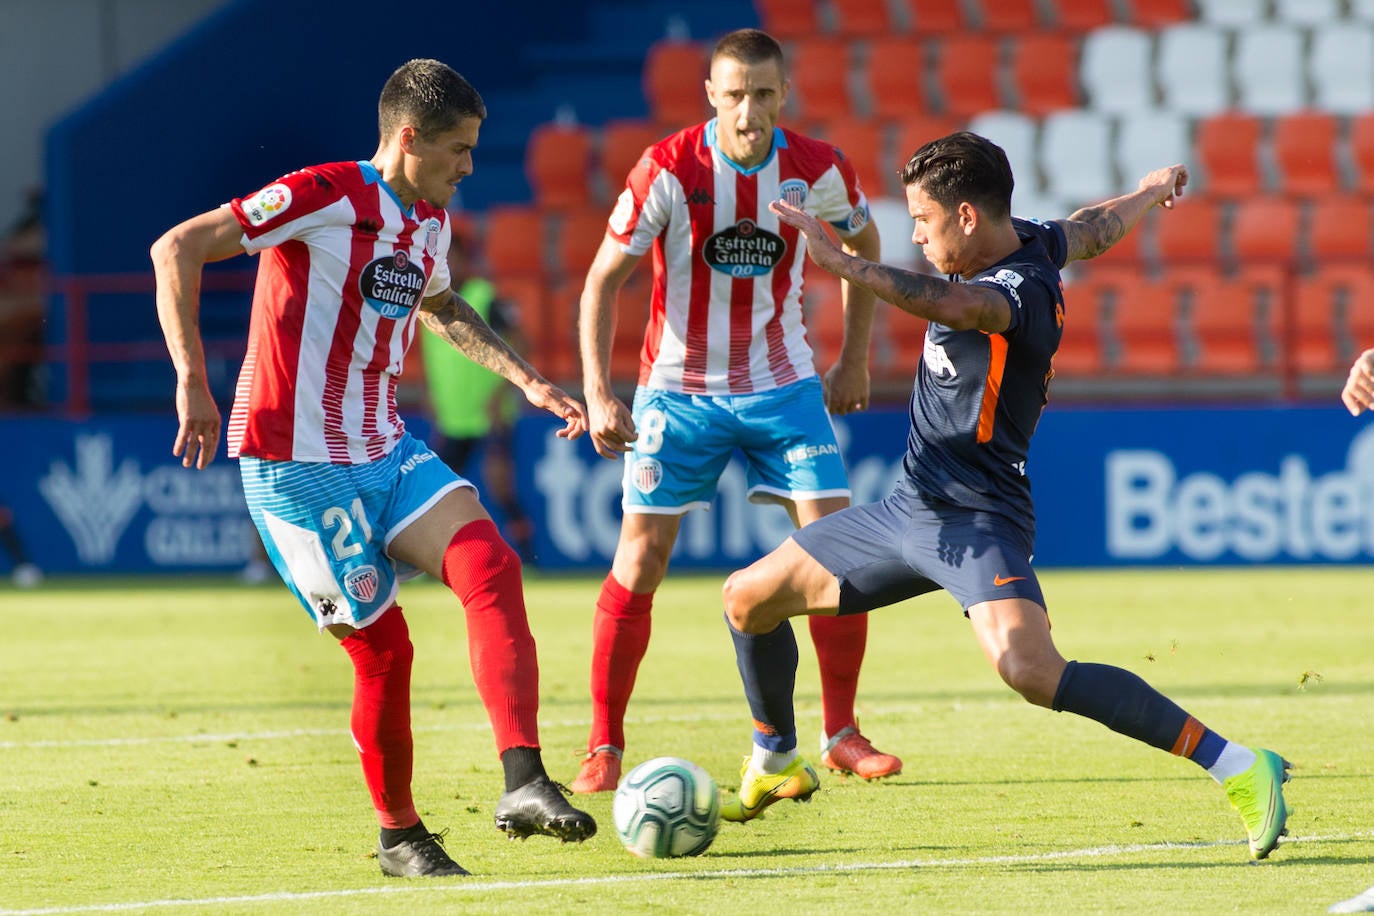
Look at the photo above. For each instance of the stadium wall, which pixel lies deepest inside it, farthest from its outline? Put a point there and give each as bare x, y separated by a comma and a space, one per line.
1118, 487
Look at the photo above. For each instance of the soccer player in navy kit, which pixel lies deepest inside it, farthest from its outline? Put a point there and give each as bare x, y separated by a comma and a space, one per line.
961, 517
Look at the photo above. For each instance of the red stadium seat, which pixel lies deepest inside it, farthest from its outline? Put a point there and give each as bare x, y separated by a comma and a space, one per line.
787, 19
895, 72
1264, 230
1144, 326
966, 73
862, 18
674, 82
1305, 149
936, 17
514, 242
1008, 15
862, 143
1228, 149
824, 313
1081, 348
1327, 306
558, 164
578, 235
1190, 232
1081, 15
1230, 319
1362, 151
1355, 287
819, 70
1340, 228
1153, 14
913, 133
622, 143
1044, 72
528, 296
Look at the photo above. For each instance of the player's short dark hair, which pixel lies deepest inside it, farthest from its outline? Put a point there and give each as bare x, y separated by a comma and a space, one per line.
428, 95
963, 167
749, 46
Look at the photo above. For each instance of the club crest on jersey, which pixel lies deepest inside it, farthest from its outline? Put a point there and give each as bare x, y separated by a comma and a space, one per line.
269, 202
744, 250
432, 238
646, 475
362, 583
794, 191
392, 285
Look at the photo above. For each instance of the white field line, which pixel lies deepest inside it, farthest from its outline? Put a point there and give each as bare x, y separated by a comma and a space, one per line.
477, 886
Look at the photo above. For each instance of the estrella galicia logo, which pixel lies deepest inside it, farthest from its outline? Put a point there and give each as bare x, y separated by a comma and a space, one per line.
794, 191
744, 250
392, 285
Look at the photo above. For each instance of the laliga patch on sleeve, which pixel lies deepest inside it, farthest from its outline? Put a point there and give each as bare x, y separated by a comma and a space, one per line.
269, 202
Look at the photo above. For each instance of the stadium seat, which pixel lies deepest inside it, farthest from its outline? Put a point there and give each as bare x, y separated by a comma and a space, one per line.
514, 242
1340, 228
558, 164
824, 314
1268, 70
895, 74
1017, 134
863, 143
1264, 230
1227, 147
913, 133
1076, 156
935, 17
1305, 149
1190, 67
1362, 150
1190, 233
966, 71
1341, 65
1229, 321
1307, 12
861, 18
1081, 349
1355, 290
1114, 70
1144, 324
1149, 140
1008, 15
674, 82
1327, 305
623, 141
1155, 14
787, 19
1044, 72
1081, 15
577, 236
819, 70
528, 298
1231, 12
894, 225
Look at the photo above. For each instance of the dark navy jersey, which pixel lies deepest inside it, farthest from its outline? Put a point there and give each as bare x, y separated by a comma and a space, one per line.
978, 396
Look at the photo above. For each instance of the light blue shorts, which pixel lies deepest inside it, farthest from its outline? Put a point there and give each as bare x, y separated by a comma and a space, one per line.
327, 527
686, 440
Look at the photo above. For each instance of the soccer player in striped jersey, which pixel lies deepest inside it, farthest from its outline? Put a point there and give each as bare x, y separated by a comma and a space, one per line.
961, 517
725, 365
346, 501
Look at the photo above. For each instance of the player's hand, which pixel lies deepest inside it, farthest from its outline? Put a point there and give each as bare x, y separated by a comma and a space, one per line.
562, 405
1358, 395
612, 427
199, 426
820, 245
1167, 184
846, 388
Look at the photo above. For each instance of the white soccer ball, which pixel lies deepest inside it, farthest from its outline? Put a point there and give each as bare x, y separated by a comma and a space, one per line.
666, 807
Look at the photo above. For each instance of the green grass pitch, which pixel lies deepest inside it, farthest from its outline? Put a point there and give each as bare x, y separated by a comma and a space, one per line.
182, 747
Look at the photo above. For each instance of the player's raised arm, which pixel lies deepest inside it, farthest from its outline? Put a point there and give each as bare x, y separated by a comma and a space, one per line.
179, 258
961, 306
455, 320
1092, 230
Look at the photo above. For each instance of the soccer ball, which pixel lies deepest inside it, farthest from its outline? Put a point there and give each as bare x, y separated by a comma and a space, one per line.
666, 807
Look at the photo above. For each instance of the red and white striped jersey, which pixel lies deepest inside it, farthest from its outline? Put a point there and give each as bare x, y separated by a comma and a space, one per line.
726, 315
343, 269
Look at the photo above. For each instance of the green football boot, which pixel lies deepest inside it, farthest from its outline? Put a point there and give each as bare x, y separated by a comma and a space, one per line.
797, 781
1258, 795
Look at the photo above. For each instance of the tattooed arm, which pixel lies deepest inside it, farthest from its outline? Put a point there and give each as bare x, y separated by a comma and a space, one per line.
452, 318
1092, 230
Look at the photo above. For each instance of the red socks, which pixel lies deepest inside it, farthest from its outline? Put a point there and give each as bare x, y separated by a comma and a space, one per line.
484, 572
620, 637
840, 643
381, 655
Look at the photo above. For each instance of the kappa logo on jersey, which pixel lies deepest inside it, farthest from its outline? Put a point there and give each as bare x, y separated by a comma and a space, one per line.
392, 285
432, 238
744, 250
362, 583
269, 202
794, 191
937, 360
700, 197
646, 475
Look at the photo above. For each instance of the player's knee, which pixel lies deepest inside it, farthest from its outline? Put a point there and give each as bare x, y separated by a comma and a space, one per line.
1027, 677
476, 557
741, 607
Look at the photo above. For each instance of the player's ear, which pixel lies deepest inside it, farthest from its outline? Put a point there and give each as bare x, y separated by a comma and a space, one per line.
968, 217
406, 138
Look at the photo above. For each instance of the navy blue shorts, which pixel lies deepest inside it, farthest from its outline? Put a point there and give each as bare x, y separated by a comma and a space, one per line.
907, 545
